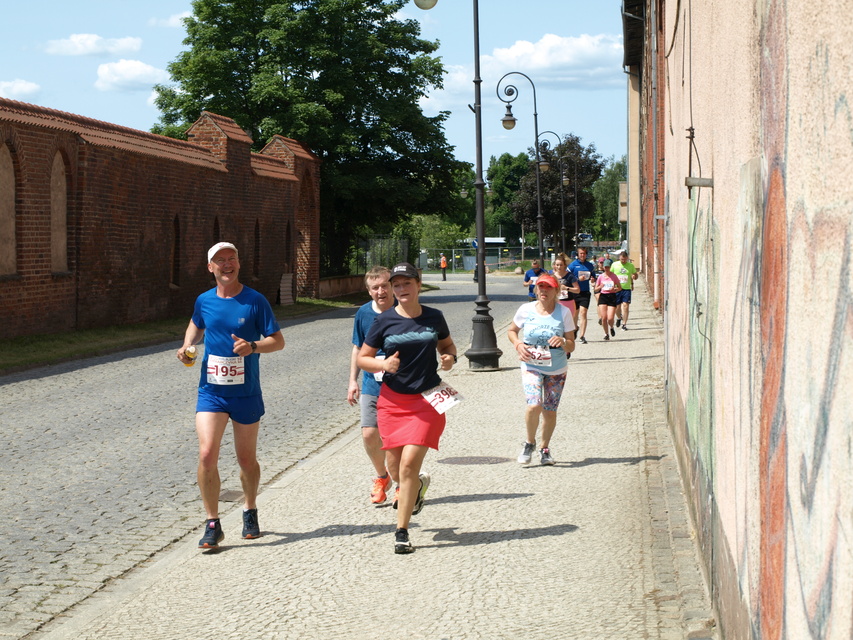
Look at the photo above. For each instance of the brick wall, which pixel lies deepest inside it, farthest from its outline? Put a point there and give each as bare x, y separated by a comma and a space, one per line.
125, 190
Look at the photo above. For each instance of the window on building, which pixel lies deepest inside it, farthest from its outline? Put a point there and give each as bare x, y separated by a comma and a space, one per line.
8, 235
176, 252
58, 215
256, 256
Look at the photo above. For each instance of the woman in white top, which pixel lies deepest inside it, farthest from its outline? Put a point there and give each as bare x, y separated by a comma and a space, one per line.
542, 333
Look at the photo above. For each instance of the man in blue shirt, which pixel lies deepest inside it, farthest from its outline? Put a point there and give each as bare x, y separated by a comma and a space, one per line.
530, 278
583, 271
379, 288
237, 324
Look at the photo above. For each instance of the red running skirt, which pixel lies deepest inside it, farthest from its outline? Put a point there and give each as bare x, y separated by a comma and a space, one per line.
407, 418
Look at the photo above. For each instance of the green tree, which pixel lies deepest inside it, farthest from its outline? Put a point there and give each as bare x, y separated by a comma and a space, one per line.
582, 166
605, 221
504, 176
343, 76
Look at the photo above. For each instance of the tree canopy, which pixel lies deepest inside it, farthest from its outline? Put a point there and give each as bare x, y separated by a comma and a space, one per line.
581, 166
343, 76
605, 221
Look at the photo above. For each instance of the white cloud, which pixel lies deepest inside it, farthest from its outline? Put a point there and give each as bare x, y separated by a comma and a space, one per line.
18, 88
90, 44
175, 21
128, 75
585, 62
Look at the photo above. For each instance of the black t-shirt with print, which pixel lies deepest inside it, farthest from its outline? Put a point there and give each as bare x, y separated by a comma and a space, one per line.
415, 339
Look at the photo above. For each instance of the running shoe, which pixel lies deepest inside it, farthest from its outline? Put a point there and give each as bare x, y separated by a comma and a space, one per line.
545, 457
212, 535
606, 337
396, 496
380, 485
583, 340
419, 501
599, 321
250, 524
612, 332
618, 321
401, 541
624, 327
527, 452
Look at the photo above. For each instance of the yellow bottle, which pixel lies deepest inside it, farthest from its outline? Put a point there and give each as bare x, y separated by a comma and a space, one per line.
192, 354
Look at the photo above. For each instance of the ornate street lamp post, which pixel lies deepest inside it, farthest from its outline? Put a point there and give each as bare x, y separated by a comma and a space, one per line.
508, 121
564, 180
484, 354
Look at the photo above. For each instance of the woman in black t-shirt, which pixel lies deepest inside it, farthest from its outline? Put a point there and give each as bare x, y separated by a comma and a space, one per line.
409, 334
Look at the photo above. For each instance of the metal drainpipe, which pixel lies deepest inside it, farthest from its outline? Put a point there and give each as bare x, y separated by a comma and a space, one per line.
657, 271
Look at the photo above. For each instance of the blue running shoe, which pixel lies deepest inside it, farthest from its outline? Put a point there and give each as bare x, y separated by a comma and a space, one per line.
212, 535
250, 524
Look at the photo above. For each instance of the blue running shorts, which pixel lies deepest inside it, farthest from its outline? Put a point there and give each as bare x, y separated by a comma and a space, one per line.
623, 296
242, 409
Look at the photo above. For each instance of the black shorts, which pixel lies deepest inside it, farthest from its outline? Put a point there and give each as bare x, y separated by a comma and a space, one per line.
607, 300
582, 299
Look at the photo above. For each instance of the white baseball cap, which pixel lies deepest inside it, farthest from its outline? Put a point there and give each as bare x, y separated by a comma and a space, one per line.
219, 246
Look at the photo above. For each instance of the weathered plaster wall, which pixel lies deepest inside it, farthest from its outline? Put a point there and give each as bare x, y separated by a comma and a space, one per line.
759, 322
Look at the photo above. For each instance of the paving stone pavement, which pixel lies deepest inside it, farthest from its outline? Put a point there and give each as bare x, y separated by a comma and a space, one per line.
598, 546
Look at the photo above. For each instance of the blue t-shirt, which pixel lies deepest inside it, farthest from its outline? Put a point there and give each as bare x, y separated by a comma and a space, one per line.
247, 315
364, 318
416, 340
538, 329
586, 268
528, 275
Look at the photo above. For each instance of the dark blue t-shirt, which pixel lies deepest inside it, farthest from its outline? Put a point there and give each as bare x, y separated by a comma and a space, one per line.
587, 268
415, 339
247, 315
529, 275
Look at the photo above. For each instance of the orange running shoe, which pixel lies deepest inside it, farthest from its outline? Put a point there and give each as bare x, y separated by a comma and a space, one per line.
377, 493
396, 495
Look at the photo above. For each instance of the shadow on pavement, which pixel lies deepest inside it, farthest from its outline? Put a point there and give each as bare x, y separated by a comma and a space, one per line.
448, 537
590, 461
475, 497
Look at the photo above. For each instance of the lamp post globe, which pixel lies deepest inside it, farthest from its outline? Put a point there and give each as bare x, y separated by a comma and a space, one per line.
425, 4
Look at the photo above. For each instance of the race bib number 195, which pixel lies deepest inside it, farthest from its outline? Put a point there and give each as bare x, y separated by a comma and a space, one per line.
225, 371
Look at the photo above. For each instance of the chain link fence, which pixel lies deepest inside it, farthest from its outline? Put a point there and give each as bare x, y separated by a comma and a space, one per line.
465, 260
348, 255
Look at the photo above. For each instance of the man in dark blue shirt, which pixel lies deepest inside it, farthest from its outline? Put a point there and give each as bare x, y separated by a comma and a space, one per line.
530, 278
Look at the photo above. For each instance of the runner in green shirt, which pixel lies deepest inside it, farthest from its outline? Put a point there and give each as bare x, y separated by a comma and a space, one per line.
627, 273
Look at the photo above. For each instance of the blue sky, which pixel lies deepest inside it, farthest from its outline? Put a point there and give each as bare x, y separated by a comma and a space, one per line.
100, 58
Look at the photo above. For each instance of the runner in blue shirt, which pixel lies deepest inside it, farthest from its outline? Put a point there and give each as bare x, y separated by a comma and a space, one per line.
379, 288
584, 271
237, 324
530, 278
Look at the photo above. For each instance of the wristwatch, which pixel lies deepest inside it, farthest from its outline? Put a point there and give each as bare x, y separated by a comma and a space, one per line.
254, 346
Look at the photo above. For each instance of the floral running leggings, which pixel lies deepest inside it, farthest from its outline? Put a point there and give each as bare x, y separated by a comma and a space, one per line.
543, 389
